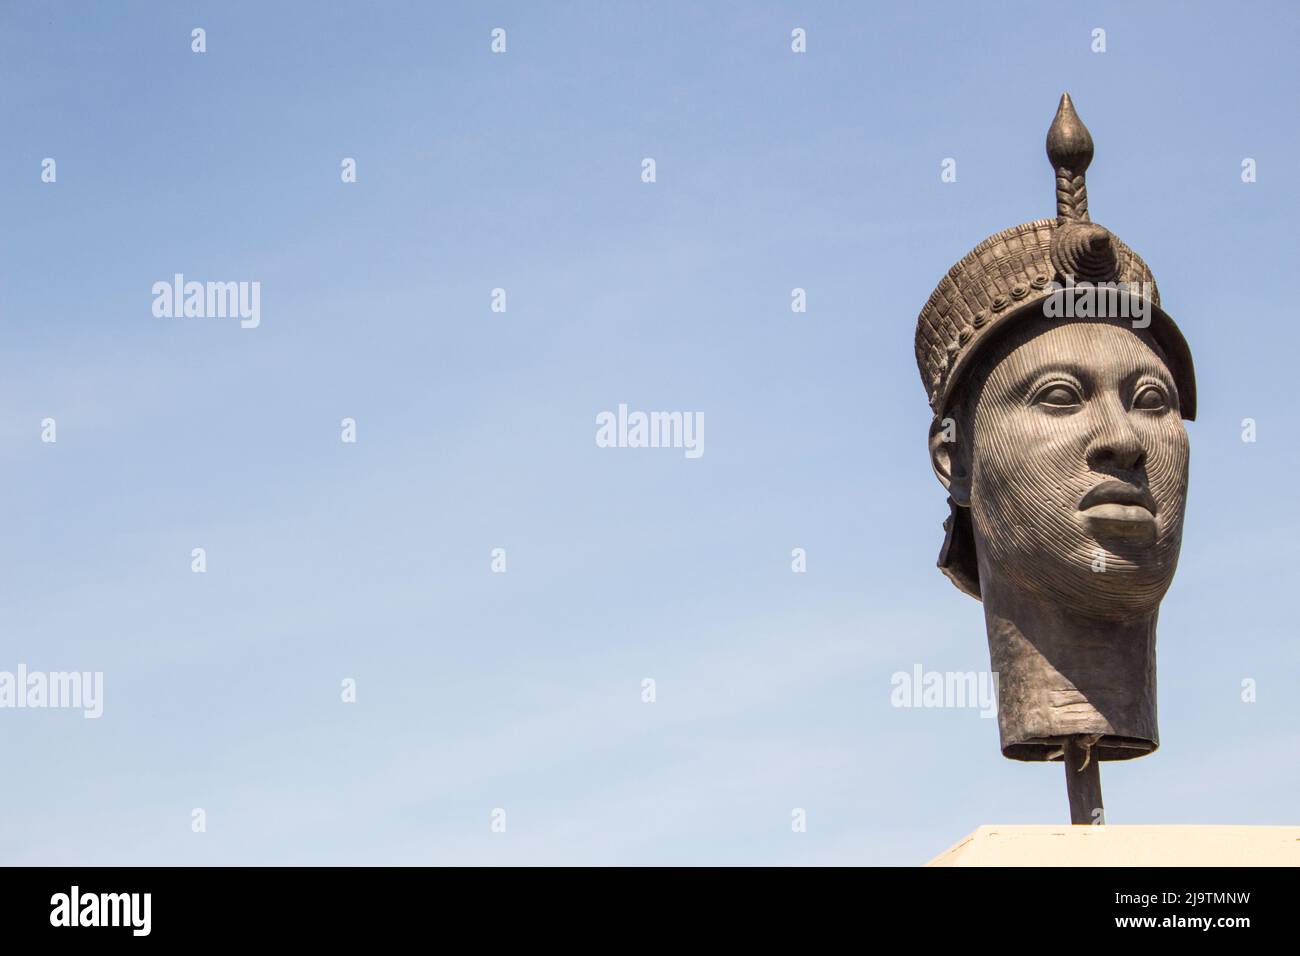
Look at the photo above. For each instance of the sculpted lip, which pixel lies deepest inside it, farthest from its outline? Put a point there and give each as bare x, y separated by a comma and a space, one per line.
1115, 492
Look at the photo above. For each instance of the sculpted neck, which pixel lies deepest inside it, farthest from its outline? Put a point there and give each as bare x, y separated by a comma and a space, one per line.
1061, 673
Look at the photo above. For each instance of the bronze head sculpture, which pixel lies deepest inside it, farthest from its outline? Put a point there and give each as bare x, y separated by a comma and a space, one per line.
1059, 388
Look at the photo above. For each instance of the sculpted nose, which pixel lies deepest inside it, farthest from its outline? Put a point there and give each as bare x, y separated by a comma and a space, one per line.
1116, 443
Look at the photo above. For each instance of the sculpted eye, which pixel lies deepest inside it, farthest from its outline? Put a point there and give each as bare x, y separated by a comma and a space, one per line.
1058, 395
1150, 398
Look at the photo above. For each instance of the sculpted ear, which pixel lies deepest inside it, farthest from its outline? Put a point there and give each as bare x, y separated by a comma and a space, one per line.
950, 458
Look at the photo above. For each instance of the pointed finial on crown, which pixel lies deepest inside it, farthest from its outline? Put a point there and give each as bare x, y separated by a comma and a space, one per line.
1080, 248
1069, 147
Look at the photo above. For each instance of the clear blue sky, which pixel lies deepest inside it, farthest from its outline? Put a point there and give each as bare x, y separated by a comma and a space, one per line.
476, 429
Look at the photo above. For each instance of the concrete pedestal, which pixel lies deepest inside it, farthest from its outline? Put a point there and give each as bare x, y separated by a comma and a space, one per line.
1125, 846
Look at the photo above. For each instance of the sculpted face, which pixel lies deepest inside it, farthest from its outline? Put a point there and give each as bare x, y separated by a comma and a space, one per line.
1077, 466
